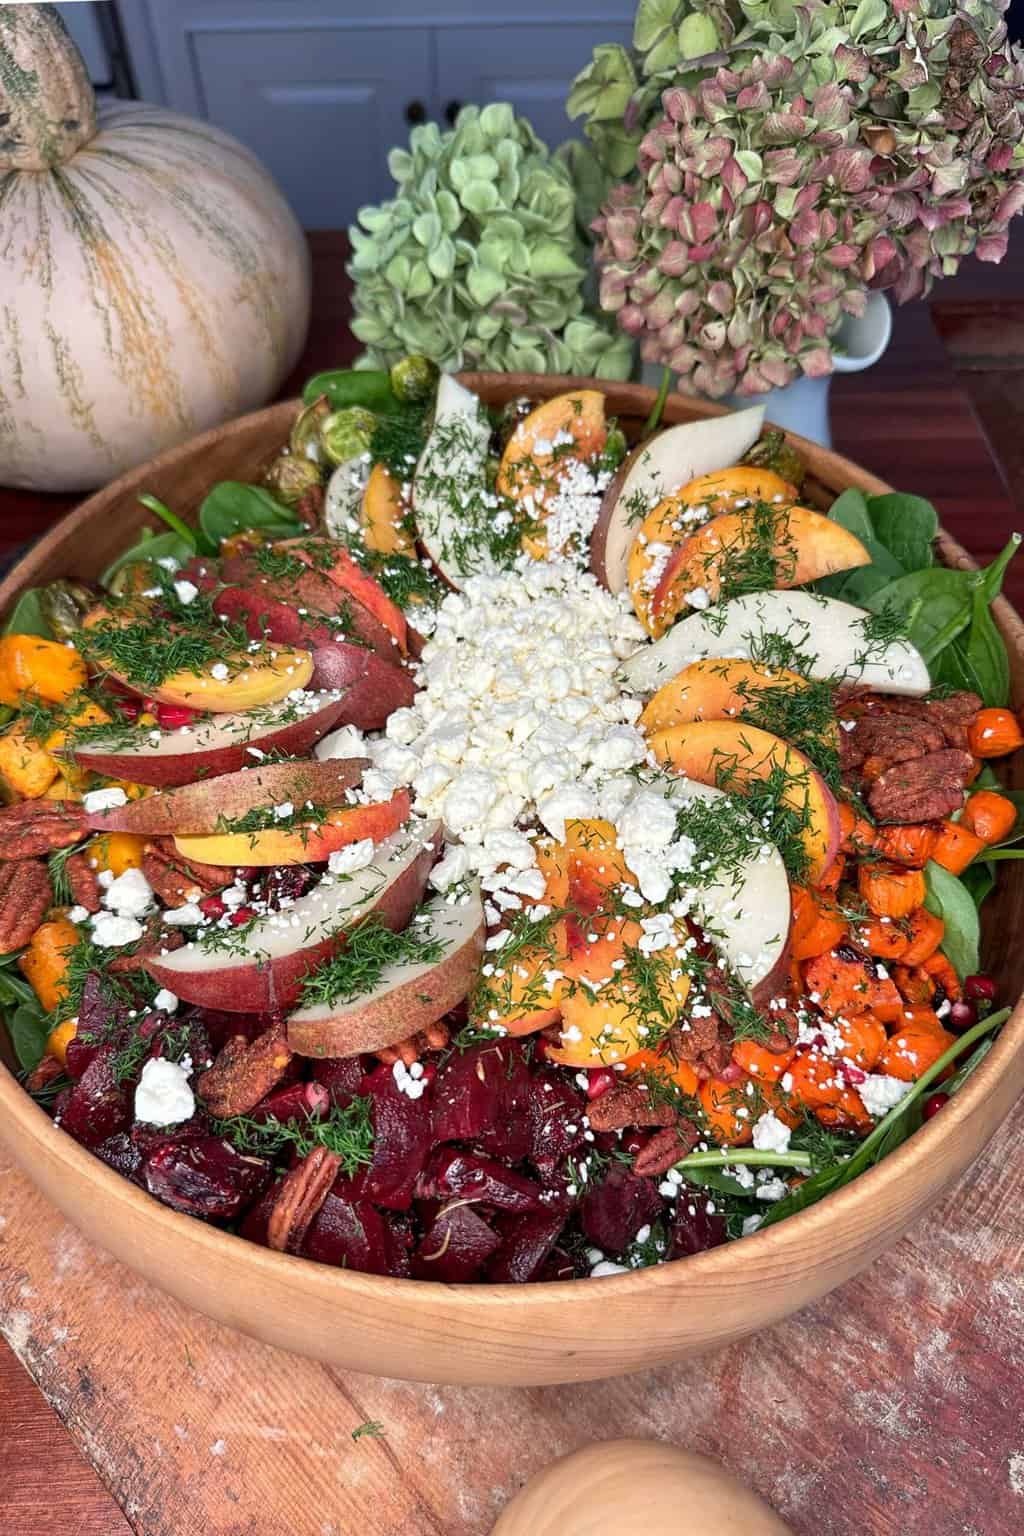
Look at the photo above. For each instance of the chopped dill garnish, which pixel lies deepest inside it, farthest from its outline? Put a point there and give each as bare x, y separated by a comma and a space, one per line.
516, 985
778, 651
802, 714
265, 818
348, 1133
277, 564
405, 580
373, 1429
57, 864
370, 949
397, 442
879, 631
761, 557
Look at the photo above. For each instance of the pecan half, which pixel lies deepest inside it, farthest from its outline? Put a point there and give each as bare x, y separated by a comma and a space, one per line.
244, 1073
665, 1148
176, 879
923, 790
25, 895
434, 1038
48, 1070
300, 1195
39, 826
628, 1105
157, 940
85, 888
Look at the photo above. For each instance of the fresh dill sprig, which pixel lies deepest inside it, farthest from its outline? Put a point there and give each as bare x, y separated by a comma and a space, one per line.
373, 1429
348, 1133
370, 950
57, 864
761, 557
397, 442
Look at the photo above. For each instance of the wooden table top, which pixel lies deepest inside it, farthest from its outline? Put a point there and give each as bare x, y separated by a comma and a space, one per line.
891, 1405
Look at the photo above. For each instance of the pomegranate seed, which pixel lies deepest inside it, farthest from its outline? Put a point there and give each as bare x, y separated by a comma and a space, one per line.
635, 1142
242, 915
932, 1105
212, 907
131, 709
962, 1015
171, 716
980, 989
599, 1081
853, 1074
730, 1074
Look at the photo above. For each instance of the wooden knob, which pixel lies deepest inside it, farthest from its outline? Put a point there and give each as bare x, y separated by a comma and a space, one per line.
637, 1488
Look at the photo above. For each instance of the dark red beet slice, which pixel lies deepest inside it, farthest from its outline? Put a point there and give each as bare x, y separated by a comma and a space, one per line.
455, 1175
693, 1228
456, 1247
557, 1108
510, 1134
342, 1077
299, 1101
120, 1153
353, 1234
97, 1106
613, 1212
146, 1138
253, 1226
205, 1178
222, 1027
402, 1141
560, 1266
470, 1091
526, 1245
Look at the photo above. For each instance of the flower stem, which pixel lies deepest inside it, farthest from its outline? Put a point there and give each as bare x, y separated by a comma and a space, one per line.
747, 1157
654, 419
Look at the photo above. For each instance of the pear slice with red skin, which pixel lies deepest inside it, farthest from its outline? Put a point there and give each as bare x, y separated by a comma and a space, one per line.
311, 843
205, 805
374, 688
408, 997
307, 606
262, 971
215, 744
334, 562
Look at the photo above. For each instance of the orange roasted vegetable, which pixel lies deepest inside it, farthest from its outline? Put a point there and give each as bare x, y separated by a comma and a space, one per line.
729, 1111
926, 932
45, 962
818, 925
883, 938
912, 1050
846, 1114
863, 1039
25, 766
956, 847
846, 984
816, 1080
994, 733
890, 891
665, 1065
910, 846
58, 1040
758, 1061
46, 669
857, 833
989, 815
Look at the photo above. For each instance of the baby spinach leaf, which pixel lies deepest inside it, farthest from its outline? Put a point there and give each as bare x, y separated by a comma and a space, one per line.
992, 575
979, 881
850, 511
906, 526
29, 1028
194, 536
937, 605
948, 898
985, 653
232, 507
27, 616
151, 547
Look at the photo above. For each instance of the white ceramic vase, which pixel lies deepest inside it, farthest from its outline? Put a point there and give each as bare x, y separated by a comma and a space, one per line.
803, 406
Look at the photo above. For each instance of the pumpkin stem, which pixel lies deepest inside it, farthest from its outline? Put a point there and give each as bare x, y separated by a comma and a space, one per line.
47, 104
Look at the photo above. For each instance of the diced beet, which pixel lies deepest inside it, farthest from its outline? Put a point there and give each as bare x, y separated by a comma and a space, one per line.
455, 1175
222, 1027
120, 1153
557, 1108
190, 1035
205, 1178
146, 1138
81, 1051
560, 1266
342, 1077
469, 1091
693, 1229
300, 1101
402, 1141
613, 1212
511, 1134
97, 1106
253, 1226
353, 1234
456, 1247
100, 1024
284, 884
526, 1245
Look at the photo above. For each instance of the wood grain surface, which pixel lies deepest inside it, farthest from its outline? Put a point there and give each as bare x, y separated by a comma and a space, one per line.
893, 1405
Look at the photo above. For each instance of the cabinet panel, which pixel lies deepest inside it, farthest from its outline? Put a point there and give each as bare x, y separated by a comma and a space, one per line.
529, 64
320, 107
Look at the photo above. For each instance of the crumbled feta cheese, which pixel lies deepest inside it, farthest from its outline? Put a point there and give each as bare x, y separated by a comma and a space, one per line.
606, 1267
219, 671
880, 1093
104, 799
185, 916
771, 1189
130, 895
163, 1096
413, 1085
284, 810
78, 914
354, 856
111, 931
770, 1134
165, 1001
186, 591
346, 742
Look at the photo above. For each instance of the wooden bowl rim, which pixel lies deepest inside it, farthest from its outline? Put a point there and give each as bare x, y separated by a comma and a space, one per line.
794, 1234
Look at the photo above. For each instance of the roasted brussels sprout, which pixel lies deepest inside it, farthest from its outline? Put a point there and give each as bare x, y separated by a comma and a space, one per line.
346, 434
290, 477
414, 379
64, 605
305, 434
615, 447
772, 451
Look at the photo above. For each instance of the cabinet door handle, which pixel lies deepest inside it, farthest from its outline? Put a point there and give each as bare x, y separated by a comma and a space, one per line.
415, 112
452, 111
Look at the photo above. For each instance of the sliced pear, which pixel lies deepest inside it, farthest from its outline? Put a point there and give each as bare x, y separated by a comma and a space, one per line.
449, 484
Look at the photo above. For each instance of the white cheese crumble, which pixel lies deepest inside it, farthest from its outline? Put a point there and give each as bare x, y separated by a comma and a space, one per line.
186, 591
219, 671
770, 1134
163, 1096
409, 1080
104, 799
130, 895
111, 931
345, 861
880, 1093
165, 1001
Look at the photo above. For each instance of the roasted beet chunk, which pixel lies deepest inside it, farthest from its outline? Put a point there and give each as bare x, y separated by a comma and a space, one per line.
470, 1091
352, 1234
453, 1175
146, 1138
527, 1242
120, 1153
98, 1106
342, 1077
557, 1108
205, 1178
456, 1247
613, 1212
693, 1228
402, 1139
299, 1101
510, 1134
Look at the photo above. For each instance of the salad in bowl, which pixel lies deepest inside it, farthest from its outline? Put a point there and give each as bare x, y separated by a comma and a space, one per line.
489, 849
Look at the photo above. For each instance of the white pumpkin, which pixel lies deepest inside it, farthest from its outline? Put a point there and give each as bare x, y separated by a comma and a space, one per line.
153, 281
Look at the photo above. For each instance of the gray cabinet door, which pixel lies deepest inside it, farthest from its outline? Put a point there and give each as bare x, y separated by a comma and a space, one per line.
529, 64
320, 107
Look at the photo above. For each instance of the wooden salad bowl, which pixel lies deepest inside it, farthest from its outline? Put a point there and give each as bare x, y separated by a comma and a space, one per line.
501, 1334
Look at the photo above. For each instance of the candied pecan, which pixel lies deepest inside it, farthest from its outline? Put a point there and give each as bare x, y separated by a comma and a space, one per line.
244, 1073
85, 888
922, 790
39, 826
893, 737
951, 715
176, 879
665, 1148
45, 1073
300, 1195
25, 894
310, 505
629, 1104
156, 940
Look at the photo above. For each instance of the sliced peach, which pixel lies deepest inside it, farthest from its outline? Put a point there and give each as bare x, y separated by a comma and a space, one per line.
523, 994
345, 573
798, 545
301, 844
690, 507
253, 680
661, 1064
381, 515
531, 465
610, 1024
713, 689
740, 758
